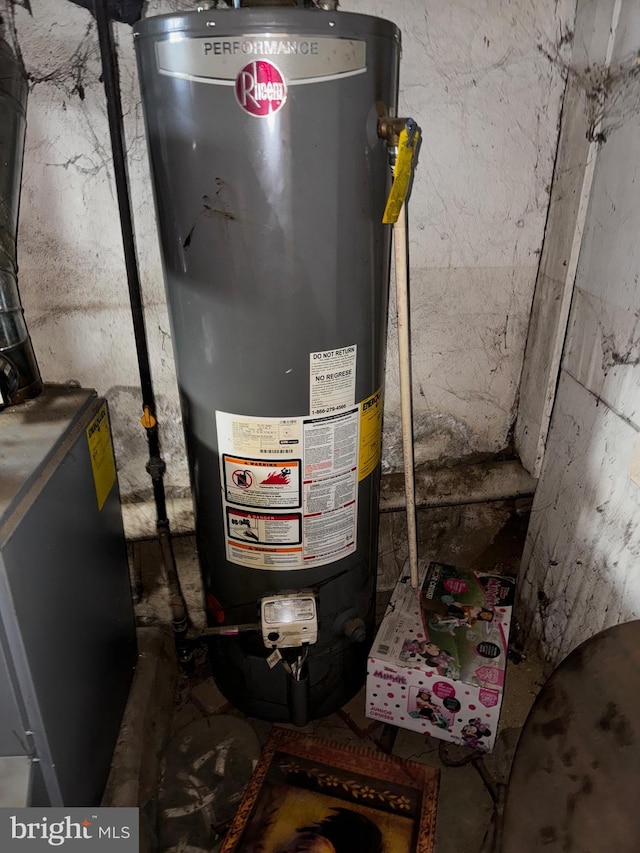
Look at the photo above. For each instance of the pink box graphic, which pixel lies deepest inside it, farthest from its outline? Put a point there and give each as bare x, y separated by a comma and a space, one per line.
438, 661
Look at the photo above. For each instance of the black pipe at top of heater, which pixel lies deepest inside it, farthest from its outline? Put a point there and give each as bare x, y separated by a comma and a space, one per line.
116, 132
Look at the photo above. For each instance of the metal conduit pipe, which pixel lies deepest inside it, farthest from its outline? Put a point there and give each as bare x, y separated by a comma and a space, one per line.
19, 374
155, 466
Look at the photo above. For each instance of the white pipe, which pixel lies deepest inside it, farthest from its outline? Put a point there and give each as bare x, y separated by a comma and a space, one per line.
404, 354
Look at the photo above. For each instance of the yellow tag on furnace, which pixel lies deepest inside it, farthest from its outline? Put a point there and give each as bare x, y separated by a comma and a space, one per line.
103, 463
370, 434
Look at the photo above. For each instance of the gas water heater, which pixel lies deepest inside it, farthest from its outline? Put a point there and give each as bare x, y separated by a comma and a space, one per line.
270, 181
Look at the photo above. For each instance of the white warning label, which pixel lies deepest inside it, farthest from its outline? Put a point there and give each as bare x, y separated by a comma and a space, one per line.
267, 483
329, 537
330, 444
263, 529
332, 380
330, 493
246, 436
264, 556
330, 487
293, 509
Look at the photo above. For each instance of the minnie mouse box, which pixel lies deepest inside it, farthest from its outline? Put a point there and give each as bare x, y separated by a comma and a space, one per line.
438, 661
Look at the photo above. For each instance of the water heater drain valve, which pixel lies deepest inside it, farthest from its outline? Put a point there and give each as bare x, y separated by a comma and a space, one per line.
289, 619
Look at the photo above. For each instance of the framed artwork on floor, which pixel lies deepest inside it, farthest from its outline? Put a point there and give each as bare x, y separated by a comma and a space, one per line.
307, 795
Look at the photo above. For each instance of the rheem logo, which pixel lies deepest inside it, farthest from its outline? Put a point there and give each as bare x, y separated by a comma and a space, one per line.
260, 88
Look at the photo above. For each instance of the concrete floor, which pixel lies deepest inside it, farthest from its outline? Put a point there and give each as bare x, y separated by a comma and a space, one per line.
480, 536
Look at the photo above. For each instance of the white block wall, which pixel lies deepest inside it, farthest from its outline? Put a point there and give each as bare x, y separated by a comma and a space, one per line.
484, 80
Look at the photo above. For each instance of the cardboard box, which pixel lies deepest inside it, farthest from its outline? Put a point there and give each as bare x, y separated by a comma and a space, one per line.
438, 661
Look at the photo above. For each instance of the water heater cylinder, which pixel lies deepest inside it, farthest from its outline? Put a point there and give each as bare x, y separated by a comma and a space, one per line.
270, 182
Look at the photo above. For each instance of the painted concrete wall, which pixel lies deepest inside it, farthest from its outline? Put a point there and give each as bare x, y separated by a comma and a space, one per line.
485, 79
572, 181
583, 545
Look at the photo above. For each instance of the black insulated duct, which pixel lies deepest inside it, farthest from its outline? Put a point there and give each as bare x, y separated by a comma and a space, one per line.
19, 374
123, 11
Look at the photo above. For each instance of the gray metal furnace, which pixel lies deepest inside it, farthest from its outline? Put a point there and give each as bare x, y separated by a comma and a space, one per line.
67, 633
270, 182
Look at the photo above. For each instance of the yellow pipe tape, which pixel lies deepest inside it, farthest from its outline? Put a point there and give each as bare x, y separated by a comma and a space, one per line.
401, 176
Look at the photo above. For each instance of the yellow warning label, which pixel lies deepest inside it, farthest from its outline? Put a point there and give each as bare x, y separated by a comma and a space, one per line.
101, 451
370, 434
